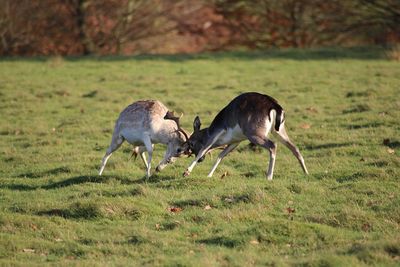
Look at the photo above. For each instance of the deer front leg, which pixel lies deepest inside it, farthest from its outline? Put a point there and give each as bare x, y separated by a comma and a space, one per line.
221, 156
167, 158
202, 152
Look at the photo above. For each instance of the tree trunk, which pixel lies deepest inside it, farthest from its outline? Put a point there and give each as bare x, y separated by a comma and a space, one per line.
80, 21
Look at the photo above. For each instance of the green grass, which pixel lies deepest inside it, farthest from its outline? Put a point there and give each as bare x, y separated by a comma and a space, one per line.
57, 117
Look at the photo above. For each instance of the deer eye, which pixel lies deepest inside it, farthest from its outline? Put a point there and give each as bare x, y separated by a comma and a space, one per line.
179, 150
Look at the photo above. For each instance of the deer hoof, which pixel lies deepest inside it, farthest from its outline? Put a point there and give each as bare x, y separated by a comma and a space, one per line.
186, 173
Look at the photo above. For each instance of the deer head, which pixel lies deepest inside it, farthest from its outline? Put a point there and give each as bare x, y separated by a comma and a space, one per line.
185, 146
198, 138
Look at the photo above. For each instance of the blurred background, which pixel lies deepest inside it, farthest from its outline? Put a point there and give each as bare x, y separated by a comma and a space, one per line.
129, 27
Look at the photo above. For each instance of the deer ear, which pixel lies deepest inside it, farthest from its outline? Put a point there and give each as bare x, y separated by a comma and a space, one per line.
168, 115
196, 124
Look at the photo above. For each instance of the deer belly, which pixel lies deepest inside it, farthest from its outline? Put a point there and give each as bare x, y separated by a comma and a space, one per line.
232, 135
133, 137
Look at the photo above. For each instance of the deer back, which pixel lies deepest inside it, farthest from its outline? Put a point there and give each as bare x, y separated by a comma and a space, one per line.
247, 110
147, 116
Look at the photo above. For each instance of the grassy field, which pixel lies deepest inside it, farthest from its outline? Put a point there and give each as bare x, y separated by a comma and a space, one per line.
342, 109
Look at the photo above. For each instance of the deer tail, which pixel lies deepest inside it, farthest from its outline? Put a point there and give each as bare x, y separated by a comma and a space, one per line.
279, 118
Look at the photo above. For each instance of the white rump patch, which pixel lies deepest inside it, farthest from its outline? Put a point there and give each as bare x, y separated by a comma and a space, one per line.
270, 122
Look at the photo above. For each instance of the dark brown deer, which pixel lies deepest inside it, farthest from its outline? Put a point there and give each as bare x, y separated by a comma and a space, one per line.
250, 116
143, 124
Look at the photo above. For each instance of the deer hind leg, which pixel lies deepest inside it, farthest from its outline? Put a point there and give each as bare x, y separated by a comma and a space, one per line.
272, 148
116, 142
221, 156
149, 148
141, 150
284, 138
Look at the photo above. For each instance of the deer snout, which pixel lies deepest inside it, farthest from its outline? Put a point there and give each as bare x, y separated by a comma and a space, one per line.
188, 152
178, 152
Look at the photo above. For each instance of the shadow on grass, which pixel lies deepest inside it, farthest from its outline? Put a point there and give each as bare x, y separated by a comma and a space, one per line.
190, 203
366, 125
82, 179
340, 177
154, 179
221, 241
367, 251
379, 164
327, 146
67, 214
86, 179
63, 183
350, 178
333, 53
357, 109
55, 171
136, 240
19, 187
169, 226
225, 200
89, 210
246, 197
76, 211
129, 193
391, 144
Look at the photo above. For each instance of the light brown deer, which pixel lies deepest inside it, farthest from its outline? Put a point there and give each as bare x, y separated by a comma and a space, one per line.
250, 116
143, 124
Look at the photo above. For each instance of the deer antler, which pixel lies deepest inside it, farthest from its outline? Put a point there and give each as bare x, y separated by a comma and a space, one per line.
170, 116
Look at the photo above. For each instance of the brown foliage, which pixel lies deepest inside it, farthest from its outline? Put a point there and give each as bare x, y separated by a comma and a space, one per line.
80, 27
308, 23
